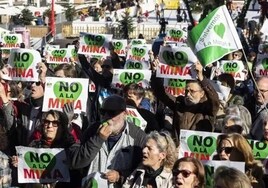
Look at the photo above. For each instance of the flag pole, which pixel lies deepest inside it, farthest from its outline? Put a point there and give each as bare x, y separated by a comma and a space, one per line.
52, 18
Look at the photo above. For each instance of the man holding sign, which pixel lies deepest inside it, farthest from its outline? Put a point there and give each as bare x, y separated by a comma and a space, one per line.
195, 110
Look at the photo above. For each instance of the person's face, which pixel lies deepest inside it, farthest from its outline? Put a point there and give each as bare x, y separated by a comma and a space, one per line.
51, 127
97, 68
131, 95
115, 119
60, 74
265, 131
225, 149
228, 124
152, 157
237, 56
193, 94
262, 96
184, 176
37, 90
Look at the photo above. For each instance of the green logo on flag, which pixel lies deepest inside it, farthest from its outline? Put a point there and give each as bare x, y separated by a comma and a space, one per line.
219, 30
175, 33
140, 52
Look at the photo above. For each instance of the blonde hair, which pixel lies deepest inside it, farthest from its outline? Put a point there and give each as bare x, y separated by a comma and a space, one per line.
165, 144
231, 177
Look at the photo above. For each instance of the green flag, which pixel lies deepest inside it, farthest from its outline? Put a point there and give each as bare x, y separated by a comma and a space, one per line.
214, 37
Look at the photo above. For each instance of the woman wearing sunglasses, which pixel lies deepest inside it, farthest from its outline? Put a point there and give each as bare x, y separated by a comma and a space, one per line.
55, 134
188, 172
235, 147
159, 155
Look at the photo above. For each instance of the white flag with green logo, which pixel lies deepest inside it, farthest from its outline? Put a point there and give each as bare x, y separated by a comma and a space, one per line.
214, 37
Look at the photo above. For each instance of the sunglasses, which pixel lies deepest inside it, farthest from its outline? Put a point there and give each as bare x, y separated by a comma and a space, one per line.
184, 173
227, 150
54, 123
29, 84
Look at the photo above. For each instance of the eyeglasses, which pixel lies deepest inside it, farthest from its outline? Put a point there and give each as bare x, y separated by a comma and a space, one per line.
54, 123
184, 173
227, 150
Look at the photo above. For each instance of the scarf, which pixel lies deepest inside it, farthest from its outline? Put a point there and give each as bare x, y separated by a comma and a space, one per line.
150, 175
37, 102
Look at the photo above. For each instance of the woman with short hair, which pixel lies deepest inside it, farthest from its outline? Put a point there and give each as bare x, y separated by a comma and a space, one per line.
188, 172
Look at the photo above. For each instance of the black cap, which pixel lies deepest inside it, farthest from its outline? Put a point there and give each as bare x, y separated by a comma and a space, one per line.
114, 103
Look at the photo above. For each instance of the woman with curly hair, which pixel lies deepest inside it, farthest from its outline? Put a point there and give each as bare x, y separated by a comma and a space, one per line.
159, 155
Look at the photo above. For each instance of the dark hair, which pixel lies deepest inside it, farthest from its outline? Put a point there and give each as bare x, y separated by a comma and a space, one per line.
69, 70
63, 138
229, 79
136, 88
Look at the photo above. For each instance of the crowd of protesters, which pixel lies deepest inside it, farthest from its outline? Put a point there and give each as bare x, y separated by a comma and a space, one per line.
103, 140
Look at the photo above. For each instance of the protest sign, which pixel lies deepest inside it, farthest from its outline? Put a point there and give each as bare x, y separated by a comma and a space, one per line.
135, 42
42, 165
95, 44
176, 35
175, 87
122, 77
61, 55
120, 46
10, 41
235, 68
133, 64
49, 47
59, 91
94, 180
134, 116
197, 144
211, 167
138, 53
261, 66
214, 37
22, 65
176, 63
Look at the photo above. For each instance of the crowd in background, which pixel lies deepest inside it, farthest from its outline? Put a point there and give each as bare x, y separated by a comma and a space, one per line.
102, 140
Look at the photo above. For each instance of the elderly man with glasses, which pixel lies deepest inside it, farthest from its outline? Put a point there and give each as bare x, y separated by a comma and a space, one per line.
113, 148
197, 109
258, 108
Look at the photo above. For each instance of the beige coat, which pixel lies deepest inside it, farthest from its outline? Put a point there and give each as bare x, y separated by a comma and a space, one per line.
163, 180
